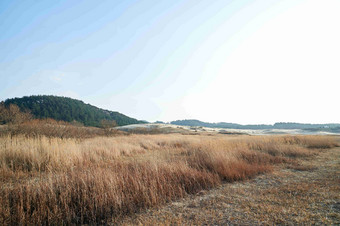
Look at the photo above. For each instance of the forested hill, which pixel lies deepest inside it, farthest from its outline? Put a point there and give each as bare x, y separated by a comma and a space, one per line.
68, 109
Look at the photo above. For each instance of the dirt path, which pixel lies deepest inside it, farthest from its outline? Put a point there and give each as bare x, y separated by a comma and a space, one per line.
305, 194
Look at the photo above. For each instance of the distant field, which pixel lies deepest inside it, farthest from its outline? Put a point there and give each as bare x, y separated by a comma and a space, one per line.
106, 179
170, 128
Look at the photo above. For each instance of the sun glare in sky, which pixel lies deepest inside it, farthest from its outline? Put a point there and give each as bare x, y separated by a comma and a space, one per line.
232, 61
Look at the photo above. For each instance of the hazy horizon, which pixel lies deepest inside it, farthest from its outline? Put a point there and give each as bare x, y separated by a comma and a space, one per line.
246, 62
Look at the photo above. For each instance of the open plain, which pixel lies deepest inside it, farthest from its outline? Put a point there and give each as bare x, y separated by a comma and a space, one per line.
169, 179
306, 193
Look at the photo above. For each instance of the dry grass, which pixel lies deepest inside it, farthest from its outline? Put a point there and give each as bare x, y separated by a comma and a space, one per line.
52, 128
284, 197
49, 180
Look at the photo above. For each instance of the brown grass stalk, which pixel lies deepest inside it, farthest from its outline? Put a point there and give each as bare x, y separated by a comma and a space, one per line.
50, 180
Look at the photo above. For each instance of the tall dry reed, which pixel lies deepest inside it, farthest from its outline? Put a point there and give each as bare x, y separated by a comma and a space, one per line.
98, 180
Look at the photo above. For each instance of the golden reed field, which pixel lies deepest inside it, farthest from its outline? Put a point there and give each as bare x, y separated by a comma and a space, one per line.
49, 180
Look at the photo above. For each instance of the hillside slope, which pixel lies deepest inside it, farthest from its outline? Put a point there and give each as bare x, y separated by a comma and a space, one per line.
68, 109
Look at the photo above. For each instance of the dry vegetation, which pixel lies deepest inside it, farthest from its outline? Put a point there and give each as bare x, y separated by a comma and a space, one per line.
53, 180
307, 193
52, 128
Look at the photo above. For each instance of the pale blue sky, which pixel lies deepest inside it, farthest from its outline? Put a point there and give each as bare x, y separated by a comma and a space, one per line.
241, 61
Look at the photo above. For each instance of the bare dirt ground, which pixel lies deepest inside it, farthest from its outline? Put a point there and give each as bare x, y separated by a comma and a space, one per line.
305, 193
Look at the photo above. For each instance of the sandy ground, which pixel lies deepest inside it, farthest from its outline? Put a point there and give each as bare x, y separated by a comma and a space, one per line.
303, 194
169, 128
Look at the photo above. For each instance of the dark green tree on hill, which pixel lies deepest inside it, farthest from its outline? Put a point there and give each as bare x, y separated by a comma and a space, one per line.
69, 110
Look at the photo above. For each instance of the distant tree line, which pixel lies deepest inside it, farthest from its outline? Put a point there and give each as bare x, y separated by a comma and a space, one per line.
280, 125
69, 110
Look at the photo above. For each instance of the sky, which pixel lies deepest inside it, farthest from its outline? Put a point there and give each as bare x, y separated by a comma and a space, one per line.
241, 61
